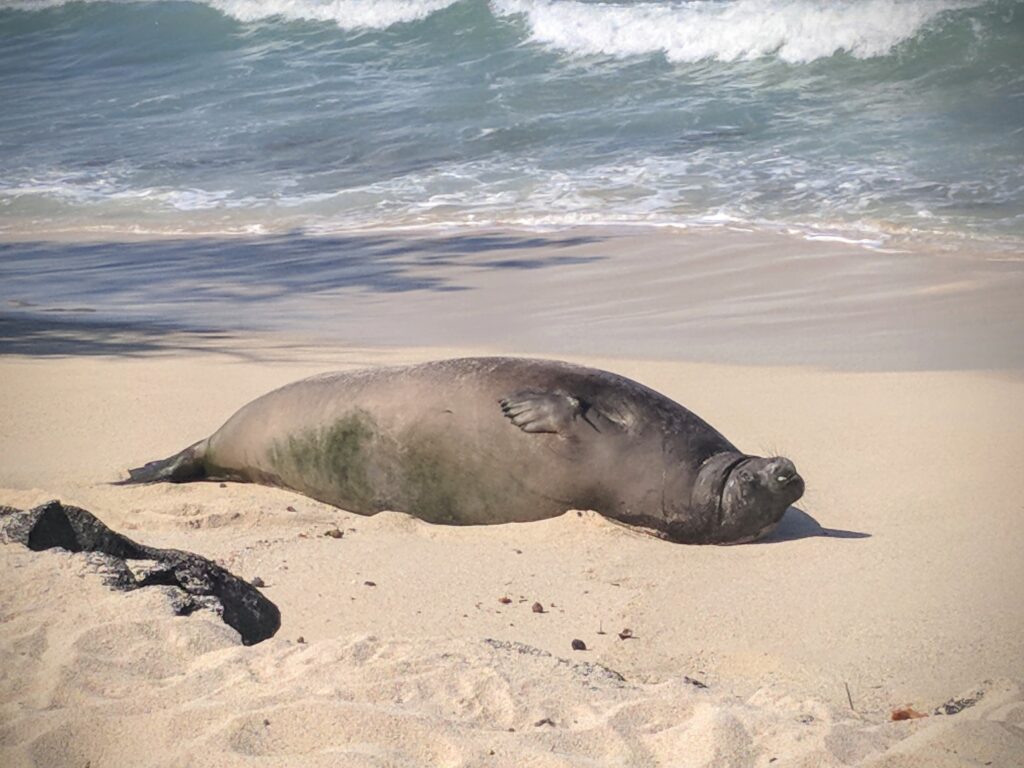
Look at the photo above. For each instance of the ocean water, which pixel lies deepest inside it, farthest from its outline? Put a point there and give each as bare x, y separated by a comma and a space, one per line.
879, 120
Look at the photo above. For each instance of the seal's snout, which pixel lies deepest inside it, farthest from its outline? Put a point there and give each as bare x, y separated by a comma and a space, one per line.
782, 470
781, 475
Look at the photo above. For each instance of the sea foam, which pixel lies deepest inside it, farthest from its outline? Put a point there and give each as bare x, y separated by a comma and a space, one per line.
347, 14
797, 31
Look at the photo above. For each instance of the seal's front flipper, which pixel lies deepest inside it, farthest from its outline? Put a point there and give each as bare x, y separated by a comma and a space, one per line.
534, 411
179, 468
556, 412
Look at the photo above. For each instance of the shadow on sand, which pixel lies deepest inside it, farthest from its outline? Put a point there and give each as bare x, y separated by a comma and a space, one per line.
253, 270
42, 336
152, 296
797, 524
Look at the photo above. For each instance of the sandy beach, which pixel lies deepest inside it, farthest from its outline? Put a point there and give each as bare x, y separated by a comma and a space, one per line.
801, 220
893, 583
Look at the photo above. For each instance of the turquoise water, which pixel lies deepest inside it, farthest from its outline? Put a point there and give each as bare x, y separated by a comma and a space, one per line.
877, 119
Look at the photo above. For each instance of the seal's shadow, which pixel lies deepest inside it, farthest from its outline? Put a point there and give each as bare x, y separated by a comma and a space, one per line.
797, 524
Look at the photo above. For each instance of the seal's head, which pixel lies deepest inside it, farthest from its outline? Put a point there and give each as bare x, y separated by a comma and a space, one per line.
744, 497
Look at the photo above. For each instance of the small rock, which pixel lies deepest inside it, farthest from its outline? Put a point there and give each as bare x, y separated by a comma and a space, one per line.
289, 508
626, 634
334, 533
544, 721
300, 639
694, 682
223, 485
258, 582
370, 583
906, 713
579, 645
266, 722
504, 600
537, 608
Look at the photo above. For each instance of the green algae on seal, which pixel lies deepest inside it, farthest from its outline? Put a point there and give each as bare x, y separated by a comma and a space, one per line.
476, 441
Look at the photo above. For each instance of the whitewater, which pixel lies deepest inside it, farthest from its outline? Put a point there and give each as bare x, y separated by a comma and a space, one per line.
877, 120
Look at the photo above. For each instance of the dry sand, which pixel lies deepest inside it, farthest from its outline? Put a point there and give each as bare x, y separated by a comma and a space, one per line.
909, 596
897, 580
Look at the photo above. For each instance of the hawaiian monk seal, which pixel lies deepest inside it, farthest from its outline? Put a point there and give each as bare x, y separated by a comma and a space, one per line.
496, 440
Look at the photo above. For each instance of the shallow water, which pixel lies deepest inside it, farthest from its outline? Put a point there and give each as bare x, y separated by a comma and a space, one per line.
876, 119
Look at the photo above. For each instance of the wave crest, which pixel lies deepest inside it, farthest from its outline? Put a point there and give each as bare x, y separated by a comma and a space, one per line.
347, 14
797, 31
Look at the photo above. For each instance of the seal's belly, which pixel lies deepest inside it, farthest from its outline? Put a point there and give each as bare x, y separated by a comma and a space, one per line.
444, 467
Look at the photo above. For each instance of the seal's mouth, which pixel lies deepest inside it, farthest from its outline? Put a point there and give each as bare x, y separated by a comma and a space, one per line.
790, 486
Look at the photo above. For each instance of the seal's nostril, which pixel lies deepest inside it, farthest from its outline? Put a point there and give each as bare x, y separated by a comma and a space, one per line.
784, 471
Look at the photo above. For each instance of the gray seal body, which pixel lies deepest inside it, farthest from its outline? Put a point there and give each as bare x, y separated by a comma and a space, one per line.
476, 441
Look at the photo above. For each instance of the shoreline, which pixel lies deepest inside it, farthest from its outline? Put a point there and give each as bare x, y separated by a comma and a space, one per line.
877, 236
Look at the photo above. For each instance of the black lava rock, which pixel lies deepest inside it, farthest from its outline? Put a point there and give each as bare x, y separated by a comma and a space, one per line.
203, 583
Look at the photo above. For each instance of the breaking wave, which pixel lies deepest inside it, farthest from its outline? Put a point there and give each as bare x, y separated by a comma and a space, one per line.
797, 31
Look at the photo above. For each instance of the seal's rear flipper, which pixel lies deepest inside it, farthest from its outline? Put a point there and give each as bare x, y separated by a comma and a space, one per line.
182, 467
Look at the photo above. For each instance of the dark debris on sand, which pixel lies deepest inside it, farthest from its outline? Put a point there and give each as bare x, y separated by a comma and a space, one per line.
957, 705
